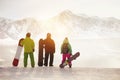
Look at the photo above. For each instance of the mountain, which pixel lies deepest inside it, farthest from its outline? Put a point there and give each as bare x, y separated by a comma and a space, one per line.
23, 26
3, 24
85, 22
16, 29
65, 23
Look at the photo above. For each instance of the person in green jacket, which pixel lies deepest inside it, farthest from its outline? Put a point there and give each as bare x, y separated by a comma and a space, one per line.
28, 45
66, 51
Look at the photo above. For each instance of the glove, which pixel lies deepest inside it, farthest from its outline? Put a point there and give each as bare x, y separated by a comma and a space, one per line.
70, 54
33, 50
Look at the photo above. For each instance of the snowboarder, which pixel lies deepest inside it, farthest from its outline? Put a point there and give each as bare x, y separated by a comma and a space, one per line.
40, 54
49, 50
28, 45
66, 51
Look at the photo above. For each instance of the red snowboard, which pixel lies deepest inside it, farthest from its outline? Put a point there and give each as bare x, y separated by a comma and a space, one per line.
18, 53
73, 57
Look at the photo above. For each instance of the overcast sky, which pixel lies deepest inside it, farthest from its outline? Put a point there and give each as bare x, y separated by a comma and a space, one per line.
43, 9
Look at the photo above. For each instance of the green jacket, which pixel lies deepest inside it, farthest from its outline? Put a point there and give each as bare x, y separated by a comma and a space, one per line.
28, 44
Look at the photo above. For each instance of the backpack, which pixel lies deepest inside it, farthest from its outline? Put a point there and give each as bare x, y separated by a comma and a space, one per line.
65, 48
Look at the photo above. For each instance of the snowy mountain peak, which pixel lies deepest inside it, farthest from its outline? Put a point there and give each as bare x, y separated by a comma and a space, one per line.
66, 21
66, 12
65, 15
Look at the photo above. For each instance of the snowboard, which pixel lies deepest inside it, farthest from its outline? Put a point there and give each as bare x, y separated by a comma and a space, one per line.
17, 54
40, 59
40, 54
73, 57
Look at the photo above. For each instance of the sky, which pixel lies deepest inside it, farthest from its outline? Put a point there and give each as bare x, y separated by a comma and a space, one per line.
44, 9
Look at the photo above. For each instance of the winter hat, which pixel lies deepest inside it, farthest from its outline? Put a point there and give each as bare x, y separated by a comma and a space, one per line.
66, 40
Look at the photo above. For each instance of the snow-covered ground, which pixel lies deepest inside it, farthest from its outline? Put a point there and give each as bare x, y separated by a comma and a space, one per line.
55, 73
99, 60
101, 53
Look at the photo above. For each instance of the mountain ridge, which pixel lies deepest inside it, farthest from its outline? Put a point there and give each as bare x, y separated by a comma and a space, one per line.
66, 20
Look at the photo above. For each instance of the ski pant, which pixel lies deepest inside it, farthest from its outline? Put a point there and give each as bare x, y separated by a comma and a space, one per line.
64, 56
51, 59
31, 59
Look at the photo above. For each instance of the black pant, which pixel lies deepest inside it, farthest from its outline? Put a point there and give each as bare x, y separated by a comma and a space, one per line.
46, 59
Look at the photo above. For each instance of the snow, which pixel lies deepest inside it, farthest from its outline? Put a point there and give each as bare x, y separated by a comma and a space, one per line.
55, 73
98, 44
100, 53
99, 60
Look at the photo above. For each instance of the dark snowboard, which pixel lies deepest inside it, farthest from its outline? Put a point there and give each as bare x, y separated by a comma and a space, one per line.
40, 59
40, 54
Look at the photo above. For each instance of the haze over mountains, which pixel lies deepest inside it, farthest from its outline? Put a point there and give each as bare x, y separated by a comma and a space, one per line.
65, 23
